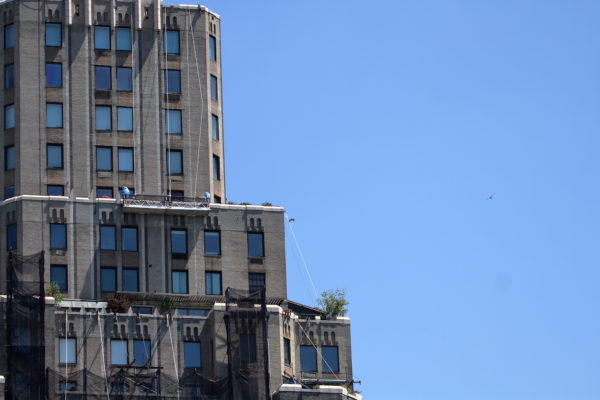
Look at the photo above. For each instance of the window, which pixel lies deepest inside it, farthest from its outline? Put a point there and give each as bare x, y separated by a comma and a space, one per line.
53, 35
55, 156
171, 42
103, 118
217, 199
191, 312
174, 162
172, 81
212, 243
192, 355
108, 237
212, 46
55, 190
104, 158
256, 245
287, 352
125, 159
9, 158
53, 75
178, 241
11, 237
9, 76
58, 276
9, 36
103, 81
141, 352
102, 37
180, 282
9, 116
215, 127
54, 116
124, 79
177, 195
330, 359
130, 280
248, 348
67, 351
104, 192
124, 118
213, 283
256, 281
308, 359
9, 191
108, 279
173, 121
67, 386
58, 236
142, 310
123, 39
129, 239
214, 92
216, 168
118, 352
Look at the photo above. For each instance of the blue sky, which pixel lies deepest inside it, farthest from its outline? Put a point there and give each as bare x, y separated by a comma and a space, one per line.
383, 127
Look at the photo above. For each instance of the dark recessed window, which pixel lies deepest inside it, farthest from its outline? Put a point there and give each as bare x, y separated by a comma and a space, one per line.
54, 115
177, 195
142, 352
67, 386
103, 79
108, 237
53, 75
172, 81
104, 158
215, 127
214, 88
123, 39
256, 281
119, 354
216, 168
174, 162
104, 192
67, 351
171, 42
58, 236
248, 348
55, 190
9, 116
330, 359
213, 283
9, 191
142, 310
256, 246
9, 158
124, 118
173, 121
179, 282
217, 199
53, 35
212, 46
11, 237
125, 159
124, 79
9, 76
130, 280
103, 118
102, 37
9, 36
212, 243
178, 241
58, 275
55, 156
287, 352
129, 239
308, 359
108, 279
192, 355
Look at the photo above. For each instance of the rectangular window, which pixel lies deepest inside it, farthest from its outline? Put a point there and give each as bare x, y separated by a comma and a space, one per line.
330, 359
172, 81
67, 386
212, 45
125, 159
104, 158
58, 276
308, 359
212, 243
58, 236
124, 118
108, 237
256, 281
124, 39
54, 156
178, 241
142, 352
214, 88
53, 35
174, 162
103, 118
179, 282
53, 75
55, 190
256, 246
9, 76
103, 79
9, 191
248, 348
216, 168
11, 237
9, 36
119, 354
177, 195
102, 37
108, 279
213, 283
173, 122
287, 352
217, 199
67, 351
215, 127
129, 239
104, 192
130, 280
54, 115
124, 79
9, 116
9, 158
142, 310
171, 42
192, 355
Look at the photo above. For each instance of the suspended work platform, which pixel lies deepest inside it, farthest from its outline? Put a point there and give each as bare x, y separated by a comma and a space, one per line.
166, 204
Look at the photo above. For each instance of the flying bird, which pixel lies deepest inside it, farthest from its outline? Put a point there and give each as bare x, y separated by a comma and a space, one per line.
291, 219
491, 196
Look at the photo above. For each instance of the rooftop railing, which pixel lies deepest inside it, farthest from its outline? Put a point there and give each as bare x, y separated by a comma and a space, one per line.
173, 204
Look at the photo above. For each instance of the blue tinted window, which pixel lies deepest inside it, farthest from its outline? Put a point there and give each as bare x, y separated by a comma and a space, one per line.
104, 158
67, 351
9, 191
102, 37
179, 283
55, 190
103, 80
215, 127
141, 352
58, 275
103, 118
124, 118
129, 239
256, 281
119, 355
9, 158
124, 39
11, 237
178, 241
55, 156
104, 192
54, 116
9, 116
212, 243
192, 355
216, 168
9, 76
53, 35
130, 280
172, 81
255, 245
174, 162
330, 359
9, 36
58, 236
108, 279
53, 75
125, 159
308, 359
214, 88
173, 121
171, 39
124, 81
108, 237
212, 46
248, 348
213, 283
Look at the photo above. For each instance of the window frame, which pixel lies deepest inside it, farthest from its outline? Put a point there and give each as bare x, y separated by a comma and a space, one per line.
187, 281
113, 271
119, 89
147, 346
112, 191
206, 253
214, 87
105, 228
65, 270
124, 150
55, 166
60, 33
168, 74
50, 106
213, 274
55, 231
9, 191
185, 243
119, 351
216, 167
129, 127
123, 247
173, 128
129, 44
253, 288
212, 48
98, 108
287, 352
325, 365
304, 362
166, 33
137, 279
10, 157
70, 344
215, 129
9, 76
12, 236
169, 155
62, 191
189, 351
102, 69
260, 254
9, 109
97, 30
9, 36
60, 69
104, 148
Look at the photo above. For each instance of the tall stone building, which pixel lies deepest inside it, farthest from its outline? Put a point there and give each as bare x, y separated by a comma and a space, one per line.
123, 273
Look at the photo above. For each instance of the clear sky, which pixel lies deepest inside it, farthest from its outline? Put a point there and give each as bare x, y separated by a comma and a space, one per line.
383, 127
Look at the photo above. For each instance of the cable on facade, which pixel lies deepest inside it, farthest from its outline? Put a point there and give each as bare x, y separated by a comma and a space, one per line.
318, 352
302, 257
173, 351
103, 360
